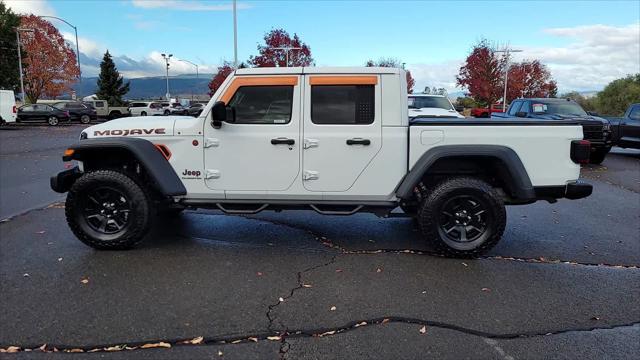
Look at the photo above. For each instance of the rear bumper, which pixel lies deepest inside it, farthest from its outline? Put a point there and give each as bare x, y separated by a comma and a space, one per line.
573, 190
63, 181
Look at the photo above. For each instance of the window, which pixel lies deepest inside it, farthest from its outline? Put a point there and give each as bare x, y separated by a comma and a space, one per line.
342, 104
135, 105
635, 113
515, 107
269, 104
420, 102
525, 107
560, 107
28, 108
99, 104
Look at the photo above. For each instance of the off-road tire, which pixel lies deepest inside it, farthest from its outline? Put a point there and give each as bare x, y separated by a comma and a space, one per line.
53, 121
138, 221
115, 115
597, 156
431, 217
85, 119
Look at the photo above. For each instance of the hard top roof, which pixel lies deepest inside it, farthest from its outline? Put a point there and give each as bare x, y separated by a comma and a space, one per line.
317, 70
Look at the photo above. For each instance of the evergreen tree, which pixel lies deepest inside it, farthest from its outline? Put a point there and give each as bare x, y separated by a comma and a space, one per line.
9, 74
110, 83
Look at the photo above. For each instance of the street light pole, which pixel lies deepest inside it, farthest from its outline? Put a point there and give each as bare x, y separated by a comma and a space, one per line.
506, 75
286, 50
75, 29
196, 65
235, 36
166, 60
20, 61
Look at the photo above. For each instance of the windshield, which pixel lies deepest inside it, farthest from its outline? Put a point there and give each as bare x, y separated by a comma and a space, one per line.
557, 107
418, 102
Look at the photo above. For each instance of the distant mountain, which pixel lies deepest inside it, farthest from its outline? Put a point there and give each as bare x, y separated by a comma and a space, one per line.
156, 86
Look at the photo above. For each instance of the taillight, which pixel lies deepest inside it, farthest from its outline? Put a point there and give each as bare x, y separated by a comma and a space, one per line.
580, 151
15, 110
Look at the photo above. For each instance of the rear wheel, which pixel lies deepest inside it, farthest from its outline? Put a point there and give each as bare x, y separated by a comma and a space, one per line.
462, 217
114, 114
107, 209
53, 121
85, 119
144, 113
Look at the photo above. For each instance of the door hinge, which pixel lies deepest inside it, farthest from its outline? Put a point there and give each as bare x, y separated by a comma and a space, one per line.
210, 142
310, 143
212, 174
310, 175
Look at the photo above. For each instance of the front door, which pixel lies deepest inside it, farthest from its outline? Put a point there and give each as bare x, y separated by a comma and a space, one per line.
342, 130
260, 151
630, 128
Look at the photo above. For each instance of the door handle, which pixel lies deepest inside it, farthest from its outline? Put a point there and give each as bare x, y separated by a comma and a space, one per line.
282, 141
358, 141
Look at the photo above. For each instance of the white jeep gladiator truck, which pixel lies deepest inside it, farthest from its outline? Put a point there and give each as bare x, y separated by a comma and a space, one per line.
335, 140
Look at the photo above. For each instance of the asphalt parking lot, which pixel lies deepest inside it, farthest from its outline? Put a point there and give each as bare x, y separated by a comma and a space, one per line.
563, 283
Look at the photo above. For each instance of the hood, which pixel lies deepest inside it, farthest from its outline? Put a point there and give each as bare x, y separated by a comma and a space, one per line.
137, 126
434, 112
582, 119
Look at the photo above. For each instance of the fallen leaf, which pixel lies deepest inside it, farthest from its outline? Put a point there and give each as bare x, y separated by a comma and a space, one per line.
219, 353
486, 289
464, 264
25, 275
259, 273
338, 270
59, 259
94, 350
115, 348
85, 281
156, 345
74, 350
327, 333
378, 270
333, 308
274, 338
595, 318
423, 330
254, 339
43, 347
10, 349
40, 232
236, 341
280, 299
196, 341
384, 321
361, 324
306, 285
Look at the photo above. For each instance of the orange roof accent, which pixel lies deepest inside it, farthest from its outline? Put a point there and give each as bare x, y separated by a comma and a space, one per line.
256, 81
343, 80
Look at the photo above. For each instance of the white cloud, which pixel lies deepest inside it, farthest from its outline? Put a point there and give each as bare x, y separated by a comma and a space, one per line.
87, 47
596, 55
437, 75
36, 7
186, 5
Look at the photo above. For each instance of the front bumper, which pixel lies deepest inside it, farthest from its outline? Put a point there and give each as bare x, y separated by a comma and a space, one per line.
63, 181
573, 190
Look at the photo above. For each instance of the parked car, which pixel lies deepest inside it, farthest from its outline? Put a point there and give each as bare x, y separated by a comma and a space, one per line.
8, 110
195, 109
78, 111
146, 108
352, 149
177, 109
103, 110
595, 129
437, 106
486, 112
42, 113
626, 129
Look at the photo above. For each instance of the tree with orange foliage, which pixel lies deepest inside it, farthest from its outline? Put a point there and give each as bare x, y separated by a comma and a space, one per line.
223, 71
530, 79
482, 74
50, 63
270, 56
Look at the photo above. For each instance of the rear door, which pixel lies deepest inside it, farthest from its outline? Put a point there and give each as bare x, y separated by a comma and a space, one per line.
342, 129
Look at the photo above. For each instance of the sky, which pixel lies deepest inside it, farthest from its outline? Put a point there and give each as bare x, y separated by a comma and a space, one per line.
585, 44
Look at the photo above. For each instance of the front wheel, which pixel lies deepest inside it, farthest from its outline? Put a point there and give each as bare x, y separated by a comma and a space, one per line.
85, 119
462, 217
53, 121
144, 113
598, 155
107, 209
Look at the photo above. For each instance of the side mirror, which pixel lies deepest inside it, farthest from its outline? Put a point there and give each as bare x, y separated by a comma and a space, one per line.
521, 114
218, 114
459, 108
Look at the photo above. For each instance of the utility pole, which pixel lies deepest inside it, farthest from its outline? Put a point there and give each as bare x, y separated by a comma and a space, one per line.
20, 61
506, 51
75, 29
166, 61
286, 50
235, 36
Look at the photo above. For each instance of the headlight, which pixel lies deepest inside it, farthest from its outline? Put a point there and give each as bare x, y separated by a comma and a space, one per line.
606, 127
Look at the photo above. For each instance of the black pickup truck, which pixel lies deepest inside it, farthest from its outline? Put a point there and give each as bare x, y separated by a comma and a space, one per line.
595, 129
626, 129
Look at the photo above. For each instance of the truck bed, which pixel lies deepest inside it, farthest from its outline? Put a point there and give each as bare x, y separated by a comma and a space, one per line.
418, 121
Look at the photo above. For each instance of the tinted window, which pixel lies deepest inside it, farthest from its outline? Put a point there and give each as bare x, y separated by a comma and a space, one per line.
515, 107
635, 113
557, 107
262, 104
135, 105
430, 102
59, 105
99, 104
342, 104
27, 108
